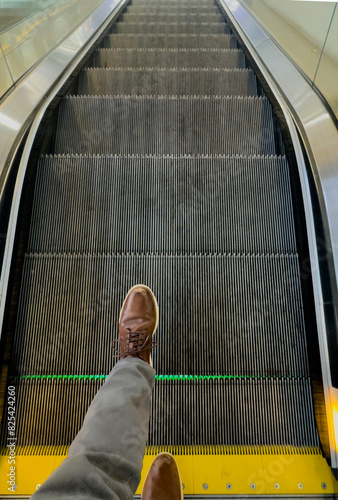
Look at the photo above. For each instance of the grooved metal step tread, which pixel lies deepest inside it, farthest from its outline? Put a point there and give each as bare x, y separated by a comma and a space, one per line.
207, 326
165, 125
171, 17
167, 81
248, 407
176, 8
169, 58
164, 28
147, 41
173, 4
235, 413
129, 204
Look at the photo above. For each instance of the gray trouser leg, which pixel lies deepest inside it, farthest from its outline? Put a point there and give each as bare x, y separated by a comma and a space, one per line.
105, 459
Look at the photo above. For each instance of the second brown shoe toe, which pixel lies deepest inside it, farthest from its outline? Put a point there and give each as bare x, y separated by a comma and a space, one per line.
163, 481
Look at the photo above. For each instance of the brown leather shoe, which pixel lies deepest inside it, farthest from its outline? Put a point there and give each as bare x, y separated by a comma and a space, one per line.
163, 480
137, 324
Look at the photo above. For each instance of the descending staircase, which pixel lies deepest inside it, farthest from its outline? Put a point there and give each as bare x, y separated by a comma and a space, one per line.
166, 172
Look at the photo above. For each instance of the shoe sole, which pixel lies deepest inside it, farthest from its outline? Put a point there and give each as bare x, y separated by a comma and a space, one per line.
156, 310
178, 472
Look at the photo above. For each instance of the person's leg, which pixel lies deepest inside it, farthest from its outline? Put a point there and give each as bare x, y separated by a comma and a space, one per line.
105, 459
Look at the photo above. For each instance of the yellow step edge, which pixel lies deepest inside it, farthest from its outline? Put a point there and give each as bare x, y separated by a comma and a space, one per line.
297, 473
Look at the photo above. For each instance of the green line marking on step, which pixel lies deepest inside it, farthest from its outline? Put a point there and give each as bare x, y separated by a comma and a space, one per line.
160, 377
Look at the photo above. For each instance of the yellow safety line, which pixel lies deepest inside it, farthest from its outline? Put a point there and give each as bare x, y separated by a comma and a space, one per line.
211, 474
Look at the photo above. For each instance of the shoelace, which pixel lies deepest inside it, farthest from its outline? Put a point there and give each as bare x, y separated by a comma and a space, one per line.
134, 344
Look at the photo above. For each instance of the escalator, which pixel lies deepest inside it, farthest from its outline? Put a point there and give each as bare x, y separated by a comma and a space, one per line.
168, 168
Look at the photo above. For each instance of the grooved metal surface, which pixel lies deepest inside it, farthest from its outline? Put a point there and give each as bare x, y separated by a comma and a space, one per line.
170, 17
173, 8
45, 407
167, 27
235, 413
151, 82
173, 4
169, 58
167, 199
207, 324
182, 41
165, 125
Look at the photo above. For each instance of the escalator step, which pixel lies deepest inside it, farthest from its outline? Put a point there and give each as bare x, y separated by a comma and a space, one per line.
164, 28
51, 413
165, 125
69, 305
161, 82
171, 41
239, 205
173, 8
169, 58
170, 17
231, 414
173, 3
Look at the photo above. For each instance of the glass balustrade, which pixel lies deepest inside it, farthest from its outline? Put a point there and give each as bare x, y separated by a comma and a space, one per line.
31, 29
326, 78
307, 31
